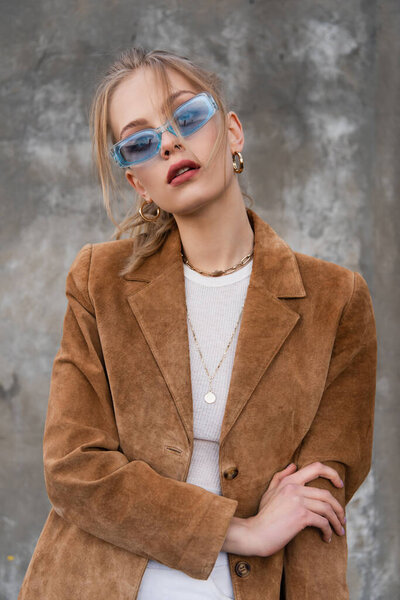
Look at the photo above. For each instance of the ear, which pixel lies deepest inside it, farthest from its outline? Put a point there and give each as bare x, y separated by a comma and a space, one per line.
235, 132
135, 183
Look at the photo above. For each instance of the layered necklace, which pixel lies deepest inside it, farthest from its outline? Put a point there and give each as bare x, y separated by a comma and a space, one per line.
210, 396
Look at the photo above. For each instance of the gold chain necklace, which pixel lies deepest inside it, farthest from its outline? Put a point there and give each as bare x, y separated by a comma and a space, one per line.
210, 397
240, 264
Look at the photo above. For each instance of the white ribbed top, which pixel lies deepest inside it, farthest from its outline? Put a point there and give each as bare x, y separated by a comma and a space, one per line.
214, 305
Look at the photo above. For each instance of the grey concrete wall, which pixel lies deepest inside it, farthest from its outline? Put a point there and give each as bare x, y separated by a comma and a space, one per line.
317, 87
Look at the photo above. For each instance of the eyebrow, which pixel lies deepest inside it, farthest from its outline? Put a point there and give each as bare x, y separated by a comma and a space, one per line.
144, 121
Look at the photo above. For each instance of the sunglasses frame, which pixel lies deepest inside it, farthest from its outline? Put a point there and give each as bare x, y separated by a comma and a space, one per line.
115, 150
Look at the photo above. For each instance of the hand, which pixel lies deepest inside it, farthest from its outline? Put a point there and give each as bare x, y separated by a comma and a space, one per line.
288, 506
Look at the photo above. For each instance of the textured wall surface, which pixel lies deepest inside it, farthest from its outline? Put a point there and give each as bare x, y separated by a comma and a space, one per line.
317, 87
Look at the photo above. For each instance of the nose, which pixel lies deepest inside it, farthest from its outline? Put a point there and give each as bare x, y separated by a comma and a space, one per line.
168, 142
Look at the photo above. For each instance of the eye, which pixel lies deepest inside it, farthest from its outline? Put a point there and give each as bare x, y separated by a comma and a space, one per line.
138, 145
184, 118
192, 114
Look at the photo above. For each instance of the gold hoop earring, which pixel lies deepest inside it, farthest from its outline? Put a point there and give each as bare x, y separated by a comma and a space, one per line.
235, 167
155, 217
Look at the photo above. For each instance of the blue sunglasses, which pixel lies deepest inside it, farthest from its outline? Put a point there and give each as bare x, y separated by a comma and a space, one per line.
144, 144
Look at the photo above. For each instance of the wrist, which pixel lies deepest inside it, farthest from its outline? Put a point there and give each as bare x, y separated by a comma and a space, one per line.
237, 540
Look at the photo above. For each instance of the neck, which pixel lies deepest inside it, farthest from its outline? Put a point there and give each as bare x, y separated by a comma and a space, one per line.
218, 236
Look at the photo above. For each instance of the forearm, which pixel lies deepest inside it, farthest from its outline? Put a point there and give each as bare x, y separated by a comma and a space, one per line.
237, 538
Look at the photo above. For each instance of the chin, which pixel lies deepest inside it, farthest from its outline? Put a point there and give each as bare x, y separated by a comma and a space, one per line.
190, 206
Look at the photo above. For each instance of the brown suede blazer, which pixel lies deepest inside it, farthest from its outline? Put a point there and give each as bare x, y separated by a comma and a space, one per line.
118, 436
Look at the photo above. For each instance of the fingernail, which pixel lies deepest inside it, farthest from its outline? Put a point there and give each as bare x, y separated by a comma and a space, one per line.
342, 530
345, 519
330, 539
341, 483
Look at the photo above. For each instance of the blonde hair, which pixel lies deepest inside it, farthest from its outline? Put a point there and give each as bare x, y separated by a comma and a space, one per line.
148, 236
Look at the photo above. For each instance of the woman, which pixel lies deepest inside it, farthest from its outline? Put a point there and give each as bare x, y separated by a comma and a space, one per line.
199, 356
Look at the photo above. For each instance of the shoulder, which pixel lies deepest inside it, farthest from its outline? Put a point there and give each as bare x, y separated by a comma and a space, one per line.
110, 255
317, 271
100, 256
100, 262
335, 283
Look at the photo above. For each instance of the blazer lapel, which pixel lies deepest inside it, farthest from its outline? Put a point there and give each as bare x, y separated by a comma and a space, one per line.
160, 309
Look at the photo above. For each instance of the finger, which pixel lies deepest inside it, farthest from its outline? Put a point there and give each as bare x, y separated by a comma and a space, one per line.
314, 470
315, 520
325, 509
324, 496
289, 468
279, 475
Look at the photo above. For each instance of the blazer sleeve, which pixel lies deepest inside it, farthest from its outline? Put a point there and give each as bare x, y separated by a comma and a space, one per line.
341, 436
91, 483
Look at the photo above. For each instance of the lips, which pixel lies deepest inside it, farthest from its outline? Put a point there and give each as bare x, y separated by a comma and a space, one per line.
180, 165
179, 179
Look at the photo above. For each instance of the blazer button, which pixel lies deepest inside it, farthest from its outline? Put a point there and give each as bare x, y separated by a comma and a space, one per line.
242, 568
231, 473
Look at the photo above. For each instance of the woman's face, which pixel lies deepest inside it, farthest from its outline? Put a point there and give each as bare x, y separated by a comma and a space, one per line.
139, 97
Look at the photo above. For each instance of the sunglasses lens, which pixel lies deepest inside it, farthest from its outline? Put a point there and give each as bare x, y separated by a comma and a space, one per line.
193, 114
140, 147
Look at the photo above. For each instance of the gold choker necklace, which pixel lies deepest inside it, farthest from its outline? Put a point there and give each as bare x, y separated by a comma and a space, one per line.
239, 265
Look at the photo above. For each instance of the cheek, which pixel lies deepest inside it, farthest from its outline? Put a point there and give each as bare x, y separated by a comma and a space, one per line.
150, 174
203, 140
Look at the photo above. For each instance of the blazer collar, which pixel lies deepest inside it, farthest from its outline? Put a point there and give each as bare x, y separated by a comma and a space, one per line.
160, 310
